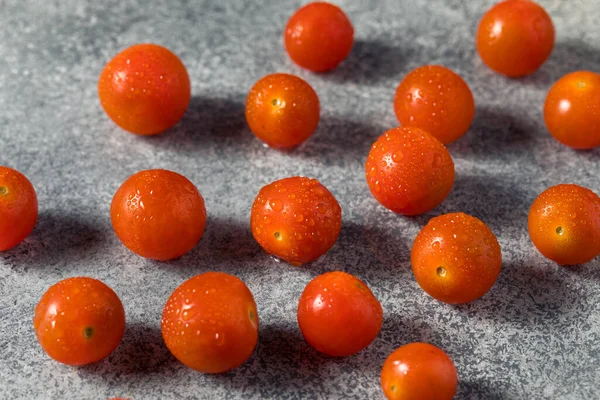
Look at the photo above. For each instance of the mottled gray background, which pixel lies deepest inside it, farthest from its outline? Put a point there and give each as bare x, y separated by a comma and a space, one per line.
536, 335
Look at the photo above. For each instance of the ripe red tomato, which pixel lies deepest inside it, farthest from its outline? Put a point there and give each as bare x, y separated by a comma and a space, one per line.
296, 219
456, 258
319, 36
158, 214
419, 371
564, 224
572, 110
282, 110
409, 171
210, 322
338, 314
436, 100
145, 89
79, 321
18, 208
515, 37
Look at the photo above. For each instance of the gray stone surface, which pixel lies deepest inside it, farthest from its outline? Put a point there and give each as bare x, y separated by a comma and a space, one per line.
536, 335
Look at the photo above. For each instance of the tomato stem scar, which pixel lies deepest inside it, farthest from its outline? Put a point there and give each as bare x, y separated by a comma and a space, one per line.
277, 235
3, 190
560, 231
88, 332
276, 102
440, 271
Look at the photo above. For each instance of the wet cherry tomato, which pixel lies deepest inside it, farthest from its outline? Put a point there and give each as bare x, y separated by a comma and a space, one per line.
572, 110
564, 224
419, 371
282, 110
158, 214
319, 36
409, 171
437, 100
145, 89
296, 219
79, 321
456, 258
515, 37
338, 314
210, 322
18, 208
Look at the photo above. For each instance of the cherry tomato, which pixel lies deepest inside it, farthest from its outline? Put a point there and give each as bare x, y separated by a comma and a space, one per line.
79, 321
409, 171
564, 224
419, 371
296, 219
145, 89
210, 323
282, 110
158, 214
515, 37
319, 36
338, 314
437, 100
572, 110
456, 258
18, 208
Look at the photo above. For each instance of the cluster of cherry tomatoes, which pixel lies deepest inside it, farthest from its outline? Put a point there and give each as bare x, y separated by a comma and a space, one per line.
210, 323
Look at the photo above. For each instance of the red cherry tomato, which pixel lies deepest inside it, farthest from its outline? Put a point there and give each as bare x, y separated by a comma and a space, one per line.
145, 89
79, 321
572, 110
319, 36
210, 322
18, 208
515, 37
436, 100
419, 371
338, 314
158, 214
409, 171
282, 110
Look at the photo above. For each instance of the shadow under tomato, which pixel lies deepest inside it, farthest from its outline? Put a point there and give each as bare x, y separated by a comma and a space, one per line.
479, 389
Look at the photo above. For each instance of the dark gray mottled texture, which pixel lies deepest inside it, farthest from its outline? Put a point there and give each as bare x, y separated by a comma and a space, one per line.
536, 335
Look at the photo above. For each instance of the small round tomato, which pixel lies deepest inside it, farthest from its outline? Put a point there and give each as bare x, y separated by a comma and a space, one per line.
437, 100
158, 214
572, 110
145, 89
419, 371
338, 314
282, 110
319, 36
515, 37
79, 321
210, 323
409, 171
296, 219
564, 224
18, 208
456, 258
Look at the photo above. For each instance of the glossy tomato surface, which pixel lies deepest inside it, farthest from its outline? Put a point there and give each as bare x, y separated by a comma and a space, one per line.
145, 89
18, 208
158, 214
296, 219
456, 258
338, 314
210, 322
79, 321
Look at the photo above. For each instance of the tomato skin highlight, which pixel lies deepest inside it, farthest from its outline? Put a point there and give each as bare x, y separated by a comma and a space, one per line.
18, 208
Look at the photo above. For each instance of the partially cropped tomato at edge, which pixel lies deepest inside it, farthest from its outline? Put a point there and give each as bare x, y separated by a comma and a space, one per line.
456, 258
338, 314
79, 321
296, 219
158, 214
282, 110
18, 208
145, 89
210, 322
319, 36
564, 224
419, 371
